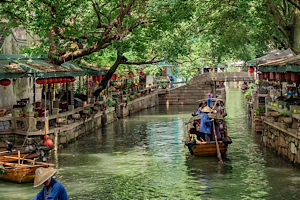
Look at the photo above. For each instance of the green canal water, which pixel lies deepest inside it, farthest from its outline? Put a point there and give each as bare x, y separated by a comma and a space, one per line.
143, 157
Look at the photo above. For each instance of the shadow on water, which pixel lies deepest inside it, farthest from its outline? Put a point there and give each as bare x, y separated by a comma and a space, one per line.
143, 157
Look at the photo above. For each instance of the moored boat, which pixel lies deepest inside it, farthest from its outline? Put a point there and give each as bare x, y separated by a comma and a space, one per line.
19, 173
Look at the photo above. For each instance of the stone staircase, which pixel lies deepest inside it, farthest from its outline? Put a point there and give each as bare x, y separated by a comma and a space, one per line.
199, 87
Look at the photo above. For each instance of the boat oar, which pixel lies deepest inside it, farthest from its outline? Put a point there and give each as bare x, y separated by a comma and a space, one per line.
217, 145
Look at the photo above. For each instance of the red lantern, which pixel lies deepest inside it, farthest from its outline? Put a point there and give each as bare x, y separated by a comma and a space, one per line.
41, 81
114, 77
64, 80
54, 80
281, 76
98, 78
48, 142
94, 78
263, 75
142, 73
212, 69
68, 80
59, 80
294, 76
5, 82
49, 80
287, 76
272, 76
73, 79
251, 69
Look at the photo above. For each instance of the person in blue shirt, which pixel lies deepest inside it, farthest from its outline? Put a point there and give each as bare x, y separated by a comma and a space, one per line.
205, 125
201, 105
210, 101
53, 189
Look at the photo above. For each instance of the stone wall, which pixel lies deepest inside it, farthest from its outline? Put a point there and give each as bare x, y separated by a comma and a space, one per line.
282, 141
136, 105
62, 136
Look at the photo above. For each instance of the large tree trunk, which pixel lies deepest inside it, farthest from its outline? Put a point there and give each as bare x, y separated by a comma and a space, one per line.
120, 59
296, 32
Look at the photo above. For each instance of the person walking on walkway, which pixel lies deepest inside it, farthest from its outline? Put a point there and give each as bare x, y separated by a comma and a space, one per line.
205, 126
53, 189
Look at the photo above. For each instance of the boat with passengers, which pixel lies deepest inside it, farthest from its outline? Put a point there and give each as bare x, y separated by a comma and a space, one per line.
196, 142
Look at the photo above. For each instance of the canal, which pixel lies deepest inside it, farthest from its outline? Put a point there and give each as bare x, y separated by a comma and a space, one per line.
143, 157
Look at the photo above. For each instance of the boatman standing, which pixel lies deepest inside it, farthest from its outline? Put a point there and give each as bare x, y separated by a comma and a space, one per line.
53, 189
210, 101
205, 127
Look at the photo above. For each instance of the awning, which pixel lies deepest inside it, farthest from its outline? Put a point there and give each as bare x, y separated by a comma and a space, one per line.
291, 64
13, 66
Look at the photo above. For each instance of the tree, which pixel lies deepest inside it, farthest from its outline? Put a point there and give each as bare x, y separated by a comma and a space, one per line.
72, 29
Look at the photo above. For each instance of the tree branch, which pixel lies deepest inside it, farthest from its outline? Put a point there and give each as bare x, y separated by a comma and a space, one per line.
295, 3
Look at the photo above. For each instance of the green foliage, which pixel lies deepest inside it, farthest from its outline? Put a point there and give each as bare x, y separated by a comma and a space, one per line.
116, 100
251, 86
247, 94
285, 114
260, 110
109, 101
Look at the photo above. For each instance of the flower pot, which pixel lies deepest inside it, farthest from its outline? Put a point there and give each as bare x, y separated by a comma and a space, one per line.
38, 104
60, 120
273, 114
287, 120
76, 116
86, 111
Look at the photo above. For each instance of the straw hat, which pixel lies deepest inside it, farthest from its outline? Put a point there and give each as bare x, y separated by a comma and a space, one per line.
42, 174
206, 109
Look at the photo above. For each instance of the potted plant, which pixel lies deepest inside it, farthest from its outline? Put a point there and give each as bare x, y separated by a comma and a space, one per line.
116, 100
138, 94
76, 116
36, 114
29, 108
87, 110
286, 118
109, 102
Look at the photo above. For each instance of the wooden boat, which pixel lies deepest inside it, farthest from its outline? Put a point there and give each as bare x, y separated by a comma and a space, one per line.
203, 148
4, 153
20, 173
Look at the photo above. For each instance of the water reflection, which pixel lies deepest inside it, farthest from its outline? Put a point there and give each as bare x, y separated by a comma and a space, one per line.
143, 157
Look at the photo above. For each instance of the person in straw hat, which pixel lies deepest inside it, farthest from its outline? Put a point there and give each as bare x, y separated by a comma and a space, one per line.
205, 126
53, 189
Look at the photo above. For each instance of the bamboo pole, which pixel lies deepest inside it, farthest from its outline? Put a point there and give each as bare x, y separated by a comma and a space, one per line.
19, 156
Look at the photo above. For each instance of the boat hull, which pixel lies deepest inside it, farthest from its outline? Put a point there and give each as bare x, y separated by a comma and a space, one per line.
22, 174
208, 149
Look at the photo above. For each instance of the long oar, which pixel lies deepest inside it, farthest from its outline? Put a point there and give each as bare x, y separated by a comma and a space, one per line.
217, 144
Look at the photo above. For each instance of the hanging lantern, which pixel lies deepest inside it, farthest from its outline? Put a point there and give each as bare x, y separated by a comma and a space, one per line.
68, 80
264, 75
49, 80
287, 76
114, 77
54, 80
272, 76
142, 73
95, 78
41, 82
98, 78
251, 69
5, 82
73, 79
59, 80
64, 80
294, 76
281, 76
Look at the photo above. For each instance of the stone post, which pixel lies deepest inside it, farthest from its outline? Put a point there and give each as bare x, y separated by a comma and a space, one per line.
31, 121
